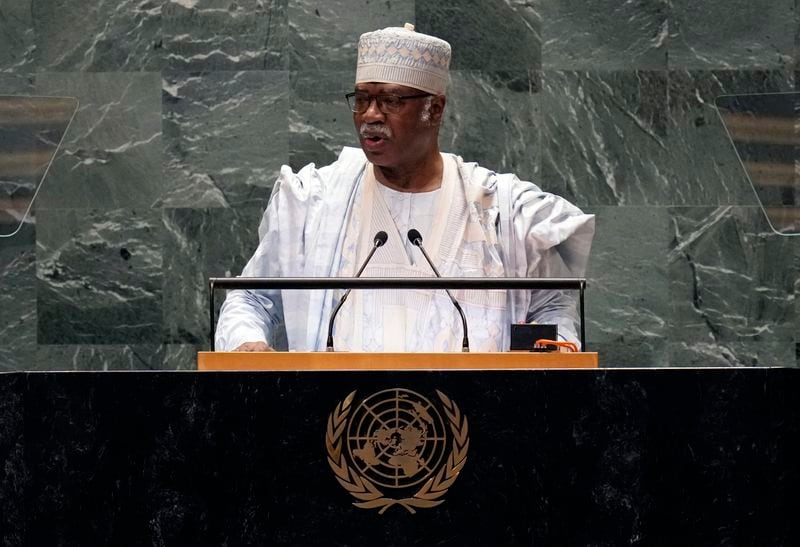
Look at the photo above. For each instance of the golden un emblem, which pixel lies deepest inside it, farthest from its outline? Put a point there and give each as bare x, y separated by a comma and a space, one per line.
396, 448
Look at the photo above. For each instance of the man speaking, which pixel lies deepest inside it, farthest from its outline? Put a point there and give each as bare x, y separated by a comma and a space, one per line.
322, 222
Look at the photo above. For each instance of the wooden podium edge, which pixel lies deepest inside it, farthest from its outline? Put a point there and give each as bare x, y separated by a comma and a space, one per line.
300, 361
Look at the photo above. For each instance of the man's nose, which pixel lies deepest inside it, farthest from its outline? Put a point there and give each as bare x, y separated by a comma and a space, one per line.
373, 112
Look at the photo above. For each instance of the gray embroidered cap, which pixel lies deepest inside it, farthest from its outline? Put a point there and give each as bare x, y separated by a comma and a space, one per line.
403, 56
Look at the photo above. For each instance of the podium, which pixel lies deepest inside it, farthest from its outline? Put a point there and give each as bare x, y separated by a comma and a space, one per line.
504, 456
282, 360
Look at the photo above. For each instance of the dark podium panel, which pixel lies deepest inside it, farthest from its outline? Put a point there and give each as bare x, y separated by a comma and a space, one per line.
555, 457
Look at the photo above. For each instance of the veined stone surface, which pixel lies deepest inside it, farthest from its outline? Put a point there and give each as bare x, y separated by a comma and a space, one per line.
189, 107
493, 118
100, 36
320, 122
731, 35
202, 243
226, 136
99, 277
100, 357
18, 298
324, 35
225, 34
110, 157
17, 43
602, 35
603, 134
732, 281
627, 301
496, 35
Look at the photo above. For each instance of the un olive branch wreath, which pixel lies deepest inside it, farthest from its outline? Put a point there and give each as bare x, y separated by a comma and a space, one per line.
362, 488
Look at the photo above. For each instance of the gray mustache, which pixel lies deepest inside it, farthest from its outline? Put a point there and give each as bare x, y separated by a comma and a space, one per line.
374, 130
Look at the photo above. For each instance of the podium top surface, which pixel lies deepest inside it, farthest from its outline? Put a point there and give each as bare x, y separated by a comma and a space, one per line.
278, 360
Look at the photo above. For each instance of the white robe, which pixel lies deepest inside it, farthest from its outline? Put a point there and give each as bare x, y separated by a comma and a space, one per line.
320, 223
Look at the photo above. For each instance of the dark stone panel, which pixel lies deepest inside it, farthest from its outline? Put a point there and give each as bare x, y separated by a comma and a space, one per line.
208, 35
555, 457
796, 244
602, 35
731, 34
17, 83
632, 351
12, 458
320, 122
715, 353
731, 280
324, 35
627, 300
492, 118
18, 298
111, 155
226, 136
16, 36
100, 277
181, 356
80, 448
200, 244
486, 35
75, 35
702, 166
604, 136
695, 426
784, 427
86, 357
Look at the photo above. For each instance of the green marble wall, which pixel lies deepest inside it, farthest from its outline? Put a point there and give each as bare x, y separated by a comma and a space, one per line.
188, 108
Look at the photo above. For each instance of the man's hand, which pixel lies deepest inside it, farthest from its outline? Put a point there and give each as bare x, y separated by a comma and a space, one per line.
254, 346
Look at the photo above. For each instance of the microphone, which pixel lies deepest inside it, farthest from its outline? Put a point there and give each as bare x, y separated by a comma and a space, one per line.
416, 239
378, 241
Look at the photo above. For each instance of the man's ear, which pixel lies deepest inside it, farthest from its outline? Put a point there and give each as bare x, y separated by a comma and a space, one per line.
438, 103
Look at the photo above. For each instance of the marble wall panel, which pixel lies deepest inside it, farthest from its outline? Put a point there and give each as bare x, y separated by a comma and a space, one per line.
627, 301
181, 356
324, 35
493, 118
225, 136
99, 277
732, 285
18, 299
102, 36
609, 104
17, 83
110, 157
225, 34
99, 357
731, 34
604, 136
200, 244
767, 353
701, 162
486, 35
603, 35
320, 122
17, 43
17, 258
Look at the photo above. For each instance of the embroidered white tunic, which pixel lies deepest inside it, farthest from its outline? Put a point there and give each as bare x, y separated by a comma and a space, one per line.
320, 223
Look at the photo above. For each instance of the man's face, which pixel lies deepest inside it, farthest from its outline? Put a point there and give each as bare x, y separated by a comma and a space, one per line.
398, 139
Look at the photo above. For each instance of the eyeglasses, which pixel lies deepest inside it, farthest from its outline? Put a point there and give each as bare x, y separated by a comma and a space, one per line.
387, 103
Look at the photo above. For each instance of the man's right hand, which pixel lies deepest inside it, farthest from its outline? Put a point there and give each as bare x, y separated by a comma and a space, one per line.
254, 346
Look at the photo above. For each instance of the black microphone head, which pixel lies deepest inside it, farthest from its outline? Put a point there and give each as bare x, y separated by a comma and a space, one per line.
415, 237
380, 238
